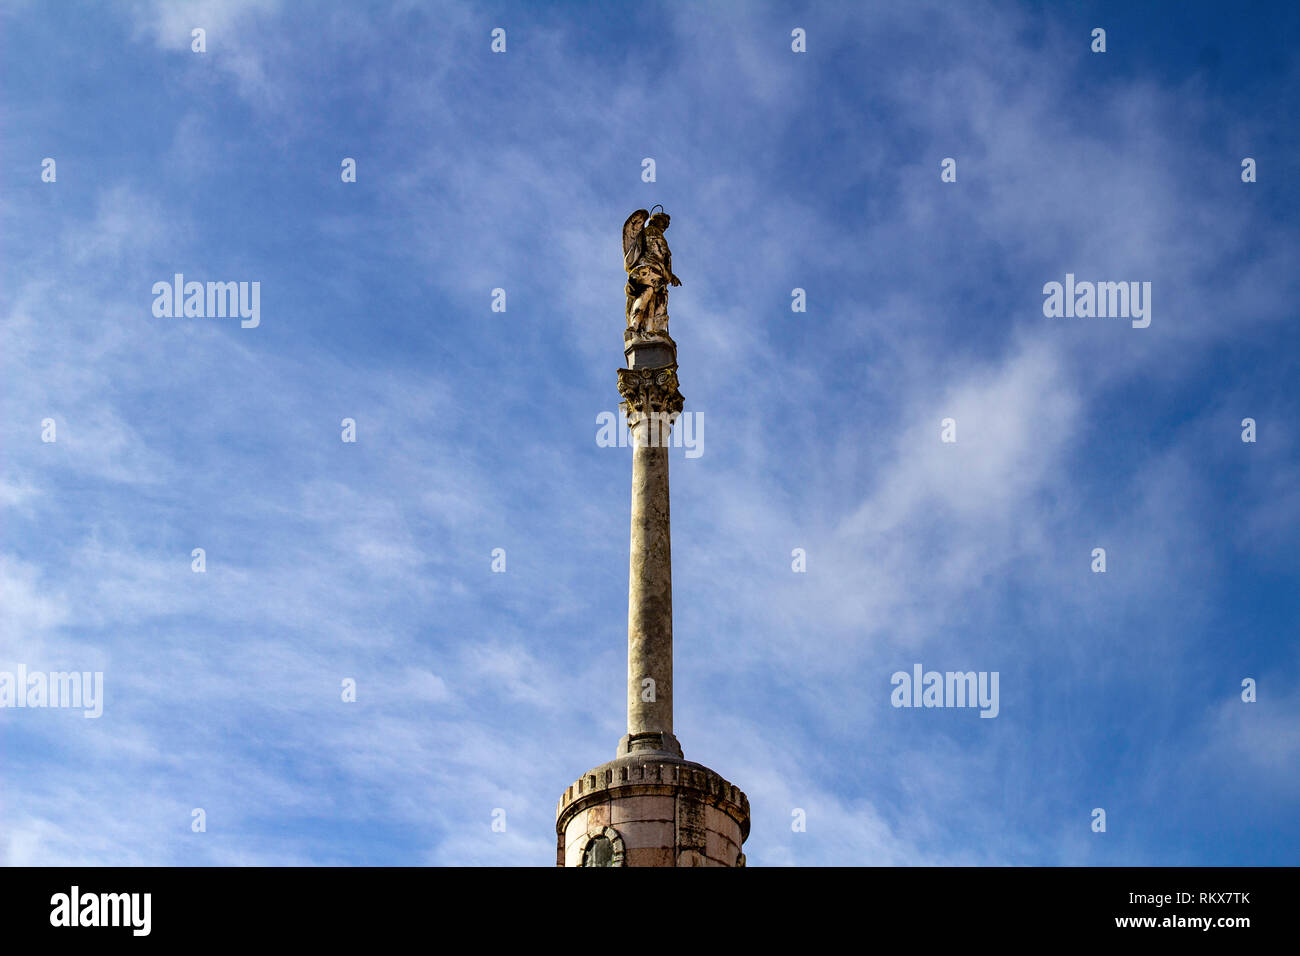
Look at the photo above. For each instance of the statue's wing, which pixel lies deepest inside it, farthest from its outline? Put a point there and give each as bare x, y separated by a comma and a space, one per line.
632, 237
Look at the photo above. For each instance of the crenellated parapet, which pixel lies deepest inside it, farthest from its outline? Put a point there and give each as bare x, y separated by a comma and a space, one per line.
663, 811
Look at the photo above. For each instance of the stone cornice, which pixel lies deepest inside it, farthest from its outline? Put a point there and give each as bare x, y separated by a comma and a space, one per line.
635, 776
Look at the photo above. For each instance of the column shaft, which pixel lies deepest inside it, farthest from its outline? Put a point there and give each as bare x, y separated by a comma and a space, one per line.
652, 402
650, 585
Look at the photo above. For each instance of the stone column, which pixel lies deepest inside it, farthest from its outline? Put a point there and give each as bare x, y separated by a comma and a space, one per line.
649, 806
651, 402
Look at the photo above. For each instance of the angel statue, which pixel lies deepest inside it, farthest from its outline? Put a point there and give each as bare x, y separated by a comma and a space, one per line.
649, 267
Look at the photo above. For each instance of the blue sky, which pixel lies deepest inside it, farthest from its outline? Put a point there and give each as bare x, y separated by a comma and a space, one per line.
477, 429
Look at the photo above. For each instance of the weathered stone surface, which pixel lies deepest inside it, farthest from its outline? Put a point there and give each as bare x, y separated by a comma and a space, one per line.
642, 808
693, 858
651, 402
655, 802
721, 822
574, 832
718, 847
650, 600
647, 833
649, 349
662, 856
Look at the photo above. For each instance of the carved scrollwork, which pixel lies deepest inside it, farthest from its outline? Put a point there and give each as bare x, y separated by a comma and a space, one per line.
650, 391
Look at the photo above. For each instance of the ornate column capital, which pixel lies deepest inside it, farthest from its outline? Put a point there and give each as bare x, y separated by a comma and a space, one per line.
650, 391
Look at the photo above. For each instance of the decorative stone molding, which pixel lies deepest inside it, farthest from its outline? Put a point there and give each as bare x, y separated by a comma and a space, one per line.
670, 812
651, 742
639, 775
648, 391
656, 773
610, 834
649, 349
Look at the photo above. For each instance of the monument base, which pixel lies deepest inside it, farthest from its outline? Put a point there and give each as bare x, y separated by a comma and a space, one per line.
656, 742
651, 809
